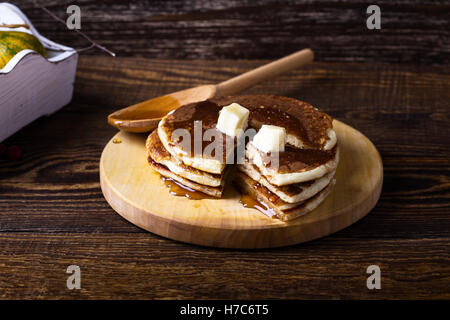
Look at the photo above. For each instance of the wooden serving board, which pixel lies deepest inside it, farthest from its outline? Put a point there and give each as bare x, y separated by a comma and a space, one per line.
138, 194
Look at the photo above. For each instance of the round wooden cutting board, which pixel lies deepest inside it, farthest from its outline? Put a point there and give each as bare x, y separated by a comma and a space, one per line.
138, 194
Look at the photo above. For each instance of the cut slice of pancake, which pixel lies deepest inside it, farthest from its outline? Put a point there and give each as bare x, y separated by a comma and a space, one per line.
160, 155
293, 165
164, 171
292, 193
189, 134
306, 127
285, 213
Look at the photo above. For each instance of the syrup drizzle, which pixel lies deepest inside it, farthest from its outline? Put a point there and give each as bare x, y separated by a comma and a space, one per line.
249, 202
179, 190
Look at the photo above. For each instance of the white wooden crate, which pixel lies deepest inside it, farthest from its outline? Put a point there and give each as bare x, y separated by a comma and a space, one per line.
32, 86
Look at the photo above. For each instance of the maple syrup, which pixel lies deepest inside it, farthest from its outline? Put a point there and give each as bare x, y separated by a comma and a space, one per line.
179, 190
249, 202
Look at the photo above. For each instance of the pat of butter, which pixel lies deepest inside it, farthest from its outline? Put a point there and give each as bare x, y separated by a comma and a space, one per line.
270, 139
233, 120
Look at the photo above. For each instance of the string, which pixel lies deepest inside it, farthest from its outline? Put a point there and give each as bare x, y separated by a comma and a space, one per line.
93, 43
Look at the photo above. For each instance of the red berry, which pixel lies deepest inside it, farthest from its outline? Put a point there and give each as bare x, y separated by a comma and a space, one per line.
14, 153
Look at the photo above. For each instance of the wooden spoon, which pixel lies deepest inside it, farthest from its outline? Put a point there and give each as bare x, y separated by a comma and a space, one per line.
144, 116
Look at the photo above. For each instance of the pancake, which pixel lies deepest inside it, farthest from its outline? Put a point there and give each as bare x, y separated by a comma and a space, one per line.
188, 148
184, 118
275, 205
294, 165
160, 155
306, 127
292, 193
164, 171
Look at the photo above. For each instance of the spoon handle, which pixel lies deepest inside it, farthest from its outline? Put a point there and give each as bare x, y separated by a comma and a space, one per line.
264, 72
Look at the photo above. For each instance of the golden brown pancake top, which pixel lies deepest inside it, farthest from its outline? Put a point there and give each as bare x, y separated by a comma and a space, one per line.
298, 118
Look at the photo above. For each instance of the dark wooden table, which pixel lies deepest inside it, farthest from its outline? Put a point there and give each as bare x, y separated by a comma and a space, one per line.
53, 214
411, 31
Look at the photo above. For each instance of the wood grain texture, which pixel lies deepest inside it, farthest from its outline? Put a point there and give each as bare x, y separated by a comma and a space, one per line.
153, 267
53, 214
137, 193
412, 32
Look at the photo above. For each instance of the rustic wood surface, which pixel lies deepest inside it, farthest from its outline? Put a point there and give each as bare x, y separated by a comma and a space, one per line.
53, 214
411, 31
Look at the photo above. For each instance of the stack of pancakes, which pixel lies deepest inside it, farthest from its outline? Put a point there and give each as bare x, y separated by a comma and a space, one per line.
175, 159
295, 184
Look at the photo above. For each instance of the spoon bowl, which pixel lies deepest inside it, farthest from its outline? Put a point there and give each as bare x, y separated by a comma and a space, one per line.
145, 116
